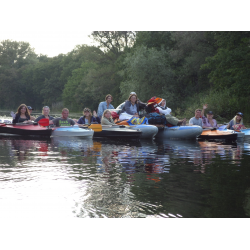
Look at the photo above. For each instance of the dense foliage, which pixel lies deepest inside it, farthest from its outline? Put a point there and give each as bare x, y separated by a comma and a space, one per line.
185, 68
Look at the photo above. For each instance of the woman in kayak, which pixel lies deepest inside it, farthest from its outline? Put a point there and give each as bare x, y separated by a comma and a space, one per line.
130, 109
208, 122
237, 122
88, 118
45, 114
107, 118
22, 115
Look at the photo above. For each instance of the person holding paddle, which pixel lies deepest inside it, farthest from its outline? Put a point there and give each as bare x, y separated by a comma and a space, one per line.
45, 114
64, 120
22, 115
88, 118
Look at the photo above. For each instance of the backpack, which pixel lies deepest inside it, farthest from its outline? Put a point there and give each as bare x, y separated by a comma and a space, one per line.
155, 118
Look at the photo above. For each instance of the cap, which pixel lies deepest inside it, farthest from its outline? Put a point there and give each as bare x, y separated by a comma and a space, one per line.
132, 93
30, 108
239, 113
210, 113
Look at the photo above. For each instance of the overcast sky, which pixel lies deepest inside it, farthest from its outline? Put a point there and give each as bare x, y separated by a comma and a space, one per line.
49, 43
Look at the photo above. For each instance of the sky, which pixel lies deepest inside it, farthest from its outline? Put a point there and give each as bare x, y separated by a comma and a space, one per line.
50, 43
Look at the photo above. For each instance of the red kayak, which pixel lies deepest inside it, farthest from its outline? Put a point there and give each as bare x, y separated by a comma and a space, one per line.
25, 129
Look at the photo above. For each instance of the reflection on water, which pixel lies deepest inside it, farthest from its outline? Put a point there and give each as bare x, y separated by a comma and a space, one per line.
75, 177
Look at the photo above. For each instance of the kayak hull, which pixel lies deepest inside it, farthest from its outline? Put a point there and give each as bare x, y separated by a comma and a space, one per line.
30, 130
118, 132
147, 131
73, 131
179, 132
218, 135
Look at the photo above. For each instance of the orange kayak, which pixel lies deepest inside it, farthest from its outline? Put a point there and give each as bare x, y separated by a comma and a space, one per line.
217, 134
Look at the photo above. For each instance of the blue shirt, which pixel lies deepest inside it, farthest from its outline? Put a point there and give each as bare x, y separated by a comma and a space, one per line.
102, 107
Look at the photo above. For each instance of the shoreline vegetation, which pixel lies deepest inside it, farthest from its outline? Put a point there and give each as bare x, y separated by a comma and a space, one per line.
188, 69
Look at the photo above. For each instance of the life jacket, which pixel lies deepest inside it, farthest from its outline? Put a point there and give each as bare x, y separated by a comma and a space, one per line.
152, 104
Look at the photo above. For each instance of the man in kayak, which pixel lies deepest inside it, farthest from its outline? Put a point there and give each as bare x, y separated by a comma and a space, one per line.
64, 120
45, 114
30, 110
196, 120
105, 105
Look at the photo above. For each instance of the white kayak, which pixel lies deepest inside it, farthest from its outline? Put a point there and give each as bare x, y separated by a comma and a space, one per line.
148, 131
179, 132
73, 131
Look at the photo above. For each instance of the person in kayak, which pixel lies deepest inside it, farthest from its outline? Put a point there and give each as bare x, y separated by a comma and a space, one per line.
30, 110
64, 120
142, 105
196, 120
158, 105
237, 122
208, 122
45, 114
107, 118
88, 118
105, 105
130, 109
22, 115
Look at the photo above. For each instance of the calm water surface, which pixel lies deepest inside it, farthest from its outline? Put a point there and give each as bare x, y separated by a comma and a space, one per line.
73, 177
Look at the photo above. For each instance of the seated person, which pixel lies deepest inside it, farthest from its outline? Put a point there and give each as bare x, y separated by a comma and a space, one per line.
208, 122
105, 105
196, 120
107, 118
237, 122
22, 115
45, 114
64, 120
87, 117
30, 110
142, 105
130, 109
158, 105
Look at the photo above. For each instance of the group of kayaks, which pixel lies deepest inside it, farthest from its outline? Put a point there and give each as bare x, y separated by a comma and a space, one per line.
141, 131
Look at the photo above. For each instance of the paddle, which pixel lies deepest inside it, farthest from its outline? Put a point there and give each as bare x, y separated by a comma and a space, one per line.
44, 122
95, 127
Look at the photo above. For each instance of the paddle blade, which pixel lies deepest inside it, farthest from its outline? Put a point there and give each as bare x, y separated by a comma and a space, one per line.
44, 122
96, 127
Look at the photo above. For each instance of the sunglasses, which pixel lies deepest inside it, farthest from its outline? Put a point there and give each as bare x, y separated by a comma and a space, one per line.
239, 115
46, 107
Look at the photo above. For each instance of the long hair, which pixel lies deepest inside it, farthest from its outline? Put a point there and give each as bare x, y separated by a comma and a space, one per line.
234, 120
90, 115
106, 111
27, 113
129, 99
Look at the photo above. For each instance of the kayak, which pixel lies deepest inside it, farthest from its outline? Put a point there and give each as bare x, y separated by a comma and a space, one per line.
147, 131
217, 134
72, 131
179, 132
118, 132
25, 129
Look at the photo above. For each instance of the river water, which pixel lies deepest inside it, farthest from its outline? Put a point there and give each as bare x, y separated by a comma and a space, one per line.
74, 177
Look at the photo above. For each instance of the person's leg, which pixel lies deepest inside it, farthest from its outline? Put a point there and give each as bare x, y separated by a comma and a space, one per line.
174, 121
